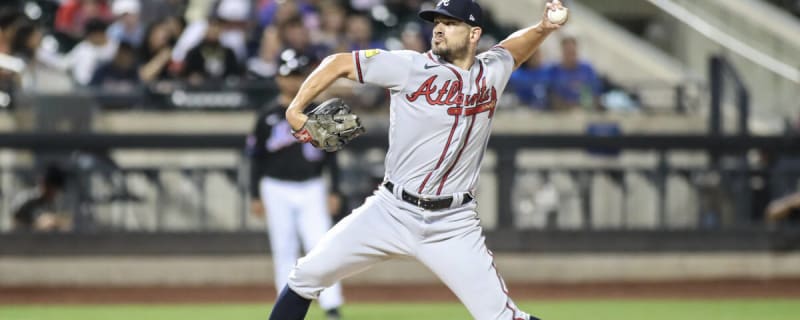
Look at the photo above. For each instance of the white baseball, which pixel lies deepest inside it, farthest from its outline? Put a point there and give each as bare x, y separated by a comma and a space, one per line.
557, 16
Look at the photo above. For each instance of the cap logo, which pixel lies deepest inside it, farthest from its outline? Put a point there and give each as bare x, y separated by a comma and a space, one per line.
471, 18
445, 3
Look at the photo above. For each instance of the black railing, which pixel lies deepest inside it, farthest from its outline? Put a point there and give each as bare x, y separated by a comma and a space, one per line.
659, 142
721, 71
506, 168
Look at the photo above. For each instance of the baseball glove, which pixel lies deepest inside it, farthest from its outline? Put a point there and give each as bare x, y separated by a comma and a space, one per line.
330, 126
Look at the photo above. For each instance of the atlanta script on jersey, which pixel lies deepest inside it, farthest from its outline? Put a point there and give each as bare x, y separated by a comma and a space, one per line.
446, 111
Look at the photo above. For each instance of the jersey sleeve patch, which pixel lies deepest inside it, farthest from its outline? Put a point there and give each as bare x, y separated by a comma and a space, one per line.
371, 53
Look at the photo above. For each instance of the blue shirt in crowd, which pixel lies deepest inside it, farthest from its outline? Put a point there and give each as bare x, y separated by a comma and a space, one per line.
569, 84
117, 32
266, 14
532, 86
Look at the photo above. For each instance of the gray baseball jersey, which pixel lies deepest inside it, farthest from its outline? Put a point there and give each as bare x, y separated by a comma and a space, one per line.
445, 111
440, 120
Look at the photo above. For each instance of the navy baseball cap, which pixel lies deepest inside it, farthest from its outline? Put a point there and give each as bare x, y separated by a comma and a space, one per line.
467, 11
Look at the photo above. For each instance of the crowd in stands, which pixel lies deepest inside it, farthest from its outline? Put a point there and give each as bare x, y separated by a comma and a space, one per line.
119, 45
565, 84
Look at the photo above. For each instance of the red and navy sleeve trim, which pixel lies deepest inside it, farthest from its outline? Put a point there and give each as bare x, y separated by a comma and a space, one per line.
357, 54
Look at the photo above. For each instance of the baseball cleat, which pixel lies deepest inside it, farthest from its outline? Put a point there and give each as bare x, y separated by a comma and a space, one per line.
333, 314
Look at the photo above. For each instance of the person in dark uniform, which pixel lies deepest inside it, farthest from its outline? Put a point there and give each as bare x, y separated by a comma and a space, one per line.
36, 210
286, 180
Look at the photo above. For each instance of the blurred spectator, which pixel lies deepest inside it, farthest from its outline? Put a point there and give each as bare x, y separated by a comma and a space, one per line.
365, 5
296, 36
94, 51
175, 25
199, 10
157, 10
25, 41
785, 209
210, 59
8, 23
155, 53
10, 66
73, 15
231, 17
283, 14
275, 12
38, 70
14, 41
36, 209
407, 10
531, 83
332, 29
291, 34
119, 75
128, 26
574, 82
262, 64
359, 33
412, 38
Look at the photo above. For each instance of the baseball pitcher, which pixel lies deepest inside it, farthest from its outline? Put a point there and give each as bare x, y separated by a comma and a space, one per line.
442, 105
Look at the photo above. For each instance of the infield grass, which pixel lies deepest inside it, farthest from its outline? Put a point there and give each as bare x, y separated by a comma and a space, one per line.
784, 309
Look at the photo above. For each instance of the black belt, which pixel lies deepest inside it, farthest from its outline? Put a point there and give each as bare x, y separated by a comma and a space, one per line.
428, 204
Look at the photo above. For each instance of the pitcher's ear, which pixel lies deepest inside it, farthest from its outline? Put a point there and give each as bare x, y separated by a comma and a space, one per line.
475, 33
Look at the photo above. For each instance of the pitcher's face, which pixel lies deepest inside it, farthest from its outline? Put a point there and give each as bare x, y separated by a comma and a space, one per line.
451, 37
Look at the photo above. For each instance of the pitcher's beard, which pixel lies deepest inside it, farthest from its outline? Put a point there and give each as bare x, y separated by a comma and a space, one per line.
447, 53
444, 53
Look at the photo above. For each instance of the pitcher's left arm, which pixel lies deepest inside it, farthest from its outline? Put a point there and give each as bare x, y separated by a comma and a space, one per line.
524, 42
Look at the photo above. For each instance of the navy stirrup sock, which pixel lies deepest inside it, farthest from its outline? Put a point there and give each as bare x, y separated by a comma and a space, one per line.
290, 306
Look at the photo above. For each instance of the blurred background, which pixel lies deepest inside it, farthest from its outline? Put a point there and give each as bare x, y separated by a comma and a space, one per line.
648, 140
